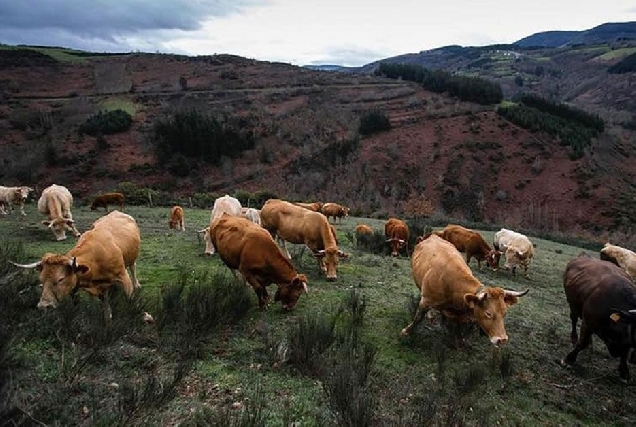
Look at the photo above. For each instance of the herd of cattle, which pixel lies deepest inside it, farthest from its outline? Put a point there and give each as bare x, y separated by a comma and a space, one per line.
600, 292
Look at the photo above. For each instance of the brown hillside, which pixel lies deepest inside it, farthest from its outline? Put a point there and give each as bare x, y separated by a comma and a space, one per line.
464, 159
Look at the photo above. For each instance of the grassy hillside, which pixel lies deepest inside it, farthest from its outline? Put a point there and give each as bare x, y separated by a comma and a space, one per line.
250, 371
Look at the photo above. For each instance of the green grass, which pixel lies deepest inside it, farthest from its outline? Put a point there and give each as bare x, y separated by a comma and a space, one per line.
617, 53
117, 103
538, 391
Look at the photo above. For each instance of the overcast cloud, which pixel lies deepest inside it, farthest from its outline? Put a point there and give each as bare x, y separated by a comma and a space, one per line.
345, 32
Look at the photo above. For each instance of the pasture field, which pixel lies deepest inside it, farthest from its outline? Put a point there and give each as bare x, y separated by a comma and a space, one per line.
442, 374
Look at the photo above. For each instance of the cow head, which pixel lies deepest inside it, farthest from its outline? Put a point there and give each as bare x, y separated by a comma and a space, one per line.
492, 259
22, 193
396, 245
489, 308
289, 294
58, 277
60, 226
329, 261
624, 322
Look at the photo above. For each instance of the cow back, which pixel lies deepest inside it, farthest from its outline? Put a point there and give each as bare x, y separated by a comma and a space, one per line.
226, 204
55, 201
115, 230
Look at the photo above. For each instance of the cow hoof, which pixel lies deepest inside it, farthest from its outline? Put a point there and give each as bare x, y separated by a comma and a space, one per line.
564, 363
404, 333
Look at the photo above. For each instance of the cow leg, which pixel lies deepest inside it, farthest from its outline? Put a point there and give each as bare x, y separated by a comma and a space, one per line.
261, 291
133, 273
623, 370
582, 343
422, 309
574, 318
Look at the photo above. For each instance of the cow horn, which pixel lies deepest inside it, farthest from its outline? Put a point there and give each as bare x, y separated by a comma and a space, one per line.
205, 230
306, 289
401, 240
516, 293
32, 265
632, 312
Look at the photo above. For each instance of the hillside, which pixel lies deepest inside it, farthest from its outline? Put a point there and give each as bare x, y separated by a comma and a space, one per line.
463, 158
605, 33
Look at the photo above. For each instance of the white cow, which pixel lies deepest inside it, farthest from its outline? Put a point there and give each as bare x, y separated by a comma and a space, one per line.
10, 196
56, 202
226, 204
516, 247
251, 214
622, 257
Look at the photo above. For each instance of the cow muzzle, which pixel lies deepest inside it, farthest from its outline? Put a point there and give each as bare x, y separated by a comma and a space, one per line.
332, 278
45, 304
497, 341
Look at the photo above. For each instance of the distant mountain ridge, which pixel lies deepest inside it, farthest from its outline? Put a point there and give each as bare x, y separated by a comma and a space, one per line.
604, 33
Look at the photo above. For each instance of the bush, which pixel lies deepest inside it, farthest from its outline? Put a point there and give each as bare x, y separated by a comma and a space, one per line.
374, 122
106, 123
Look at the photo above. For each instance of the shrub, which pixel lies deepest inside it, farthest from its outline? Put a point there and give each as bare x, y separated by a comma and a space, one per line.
106, 123
374, 122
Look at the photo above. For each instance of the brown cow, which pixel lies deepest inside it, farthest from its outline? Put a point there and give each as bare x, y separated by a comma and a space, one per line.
471, 243
334, 210
397, 233
10, 196
176, 218
250, 249
103, 200
294, 224
96, 263
604, 297
56, 202
447, 284
363, 229
315, 206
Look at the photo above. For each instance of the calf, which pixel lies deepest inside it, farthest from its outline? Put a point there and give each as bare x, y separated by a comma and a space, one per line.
471, 243
334, 210
603, 296
176, 220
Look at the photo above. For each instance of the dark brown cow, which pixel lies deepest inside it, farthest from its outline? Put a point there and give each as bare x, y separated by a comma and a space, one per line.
250, 249
298, 225
397, 233
176, 219
103, 200
447, 284
471, 243
603, 296
334, 210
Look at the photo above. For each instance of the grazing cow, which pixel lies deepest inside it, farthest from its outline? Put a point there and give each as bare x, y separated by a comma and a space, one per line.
250, 249
56, 202
471, 243
103, 200
447, 284
176, 218
10, 196
622, 257
334, 210
604, 297
363, 229
516, 247
95, 265
397, 233
251, 214
294, 224
315, 206
225, 204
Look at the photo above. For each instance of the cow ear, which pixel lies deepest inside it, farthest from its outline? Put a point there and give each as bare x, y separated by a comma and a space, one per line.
510, 299
81, 269
621, 315
472, 300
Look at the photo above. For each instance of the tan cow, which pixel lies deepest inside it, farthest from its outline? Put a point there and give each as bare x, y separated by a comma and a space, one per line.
397, 234
251, 214
250, 249
334, 210
10, 196
298, 225
96, 263
471, 243
516, 247
177, 218
225, 204
315, 206
622, 257
56, 202
447, 284
103, 200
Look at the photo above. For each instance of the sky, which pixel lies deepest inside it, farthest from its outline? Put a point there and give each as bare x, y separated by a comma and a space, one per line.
300, 32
